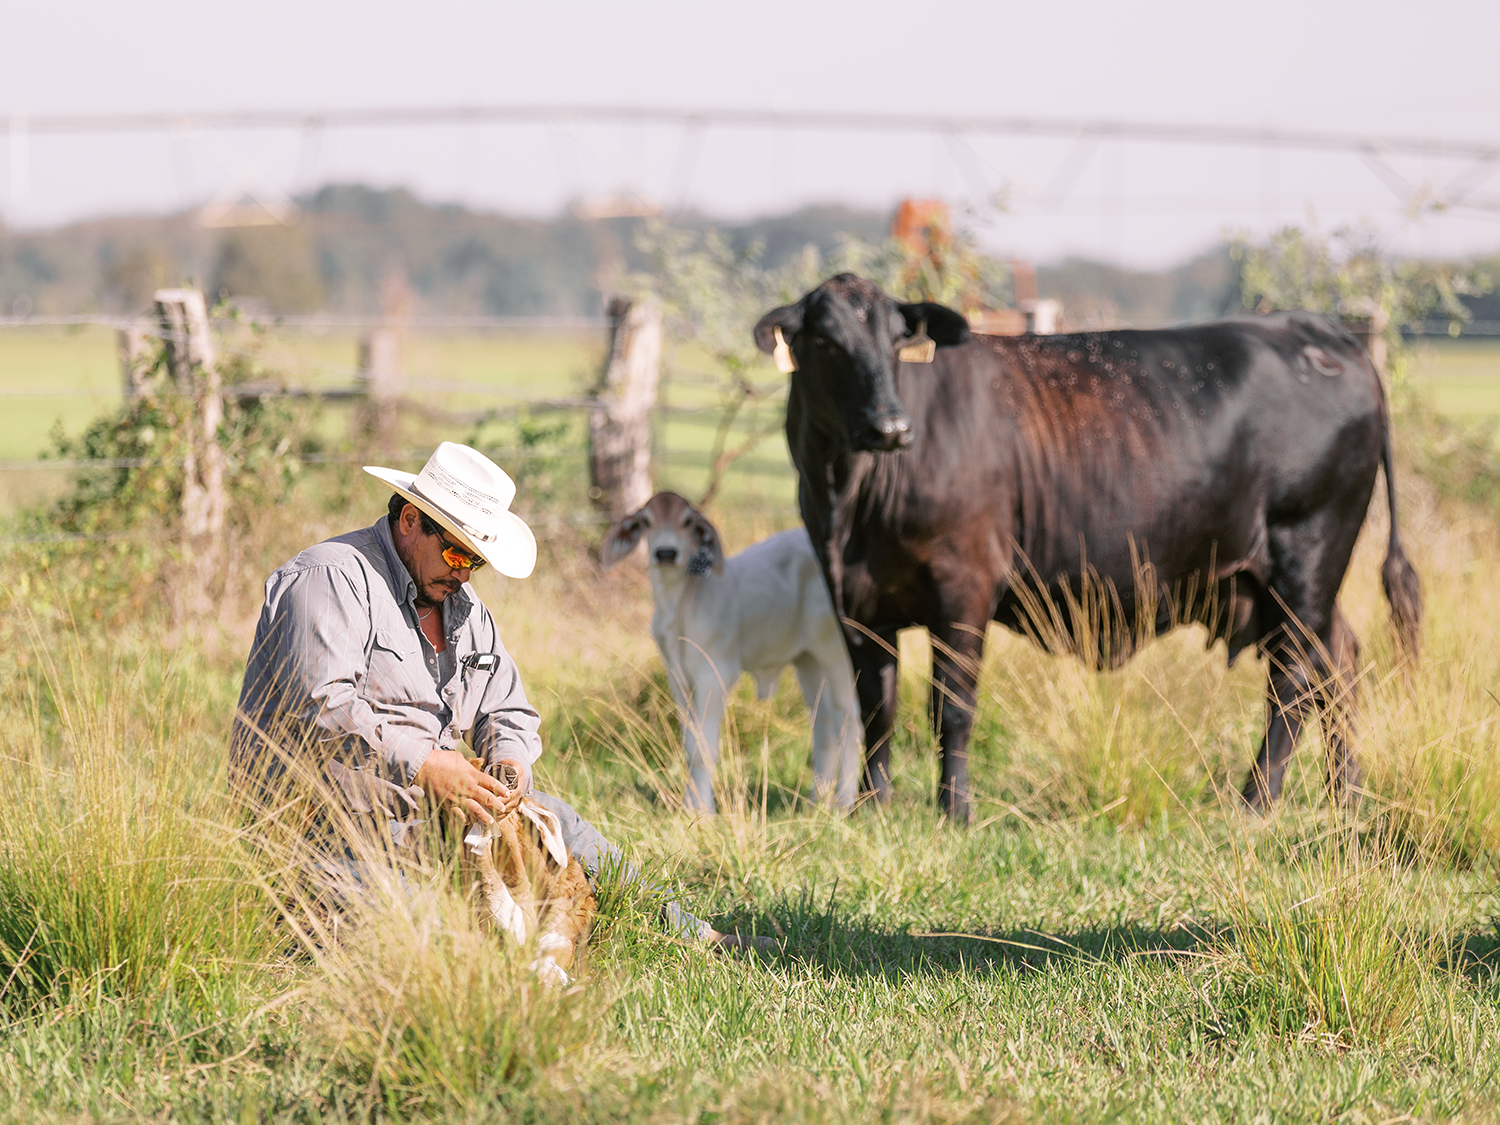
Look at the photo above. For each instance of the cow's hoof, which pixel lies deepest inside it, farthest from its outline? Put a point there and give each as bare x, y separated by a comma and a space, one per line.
958, 814
1256, 801
955, 806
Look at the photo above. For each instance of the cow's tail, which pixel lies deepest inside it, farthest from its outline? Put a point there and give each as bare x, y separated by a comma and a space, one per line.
1403, 589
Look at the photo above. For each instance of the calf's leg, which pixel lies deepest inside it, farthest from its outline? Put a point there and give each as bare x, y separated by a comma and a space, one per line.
876, 663
701, 721
567, 917
829, 691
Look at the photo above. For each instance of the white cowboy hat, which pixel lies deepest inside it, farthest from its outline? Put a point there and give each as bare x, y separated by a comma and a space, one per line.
470, 496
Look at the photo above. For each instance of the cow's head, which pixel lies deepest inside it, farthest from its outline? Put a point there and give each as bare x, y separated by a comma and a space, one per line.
844, 337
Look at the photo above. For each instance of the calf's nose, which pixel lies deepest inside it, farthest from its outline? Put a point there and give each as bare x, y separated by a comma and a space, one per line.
666, 555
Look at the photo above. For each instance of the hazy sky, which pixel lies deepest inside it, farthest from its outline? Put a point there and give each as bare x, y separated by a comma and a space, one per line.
1430, 69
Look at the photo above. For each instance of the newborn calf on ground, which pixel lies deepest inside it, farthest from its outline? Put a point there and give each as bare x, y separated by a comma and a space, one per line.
757, 612
530, 887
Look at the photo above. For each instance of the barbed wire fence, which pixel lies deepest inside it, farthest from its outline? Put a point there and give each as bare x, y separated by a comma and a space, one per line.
313, 377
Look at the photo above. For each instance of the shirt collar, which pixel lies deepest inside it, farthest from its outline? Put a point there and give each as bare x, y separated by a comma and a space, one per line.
456, 607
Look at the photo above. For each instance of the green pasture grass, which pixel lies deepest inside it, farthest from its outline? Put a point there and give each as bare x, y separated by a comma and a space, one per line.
52, 375
1461, 376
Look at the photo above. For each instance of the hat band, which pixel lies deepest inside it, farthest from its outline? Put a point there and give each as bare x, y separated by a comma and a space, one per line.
466, 496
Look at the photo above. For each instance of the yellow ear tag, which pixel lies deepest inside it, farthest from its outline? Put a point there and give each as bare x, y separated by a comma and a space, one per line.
920, 348
786, 363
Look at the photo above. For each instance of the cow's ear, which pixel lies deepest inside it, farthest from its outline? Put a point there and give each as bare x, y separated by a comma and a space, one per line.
622, 538
945, 327
788, 318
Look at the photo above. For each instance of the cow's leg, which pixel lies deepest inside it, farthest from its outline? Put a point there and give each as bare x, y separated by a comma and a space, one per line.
957, 650
835, 728
1337, 706
1308, 564
1288, 697
876, 664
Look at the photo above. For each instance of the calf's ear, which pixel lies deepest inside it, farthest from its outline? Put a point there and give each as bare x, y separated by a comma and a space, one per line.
945, 327
710, 552
788, 318
621, 539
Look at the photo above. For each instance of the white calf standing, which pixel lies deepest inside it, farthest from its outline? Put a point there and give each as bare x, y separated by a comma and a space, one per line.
757, 612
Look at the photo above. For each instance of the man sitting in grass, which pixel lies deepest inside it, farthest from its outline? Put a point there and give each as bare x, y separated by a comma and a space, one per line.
373, 653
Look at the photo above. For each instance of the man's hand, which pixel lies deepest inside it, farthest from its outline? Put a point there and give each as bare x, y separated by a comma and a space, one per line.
448, 778
512, 775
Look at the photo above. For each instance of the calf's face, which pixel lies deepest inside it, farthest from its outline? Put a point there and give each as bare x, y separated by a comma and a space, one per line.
844, 339
678, 537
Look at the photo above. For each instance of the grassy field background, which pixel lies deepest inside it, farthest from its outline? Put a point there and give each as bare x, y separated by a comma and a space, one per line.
1113, 939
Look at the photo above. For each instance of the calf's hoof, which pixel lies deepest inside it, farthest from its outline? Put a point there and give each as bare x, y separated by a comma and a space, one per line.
550, 973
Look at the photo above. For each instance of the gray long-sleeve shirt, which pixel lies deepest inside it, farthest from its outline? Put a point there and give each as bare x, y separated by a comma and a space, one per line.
341, 669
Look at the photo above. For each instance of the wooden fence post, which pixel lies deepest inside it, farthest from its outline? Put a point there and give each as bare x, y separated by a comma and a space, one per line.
620, 422
133, 345
193, 367
382, 353
1367, 322
381, 376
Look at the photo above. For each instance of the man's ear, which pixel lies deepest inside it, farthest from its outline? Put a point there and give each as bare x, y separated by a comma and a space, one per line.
788, 318
945, 327
621, 539
710, 552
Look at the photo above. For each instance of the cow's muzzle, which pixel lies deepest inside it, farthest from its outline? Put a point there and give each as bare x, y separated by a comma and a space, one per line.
887, 433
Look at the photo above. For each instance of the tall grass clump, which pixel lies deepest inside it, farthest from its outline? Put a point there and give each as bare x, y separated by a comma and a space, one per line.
420, 1009
1165, 726
1432, 730
120, 872
1329, 940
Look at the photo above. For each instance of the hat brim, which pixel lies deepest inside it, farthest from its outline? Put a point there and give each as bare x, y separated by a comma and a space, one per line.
513, 553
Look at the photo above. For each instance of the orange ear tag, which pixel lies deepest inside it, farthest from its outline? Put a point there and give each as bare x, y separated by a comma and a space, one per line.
920, 348
786, 363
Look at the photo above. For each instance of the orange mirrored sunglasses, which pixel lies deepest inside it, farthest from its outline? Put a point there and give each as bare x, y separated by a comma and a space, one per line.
453, 555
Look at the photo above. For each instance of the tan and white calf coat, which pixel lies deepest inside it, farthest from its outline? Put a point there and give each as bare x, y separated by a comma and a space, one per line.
530, 887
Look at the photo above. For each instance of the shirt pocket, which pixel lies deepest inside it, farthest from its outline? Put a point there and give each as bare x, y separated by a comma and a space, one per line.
393, 660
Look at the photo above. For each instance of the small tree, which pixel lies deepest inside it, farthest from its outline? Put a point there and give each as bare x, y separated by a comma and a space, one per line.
134, 497
713, 293
1349, 275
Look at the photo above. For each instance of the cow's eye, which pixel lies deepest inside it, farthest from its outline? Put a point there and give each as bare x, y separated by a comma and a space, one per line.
824, 344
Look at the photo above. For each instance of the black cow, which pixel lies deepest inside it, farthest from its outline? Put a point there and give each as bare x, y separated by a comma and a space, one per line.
1217, 473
